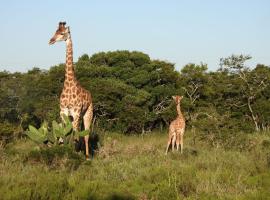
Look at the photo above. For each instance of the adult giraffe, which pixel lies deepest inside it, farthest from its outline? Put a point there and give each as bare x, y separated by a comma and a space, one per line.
75, 101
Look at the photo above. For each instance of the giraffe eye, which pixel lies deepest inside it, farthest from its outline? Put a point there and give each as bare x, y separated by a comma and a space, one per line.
62, 33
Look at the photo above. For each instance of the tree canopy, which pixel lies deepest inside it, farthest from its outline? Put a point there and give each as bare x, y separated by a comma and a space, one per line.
132, 93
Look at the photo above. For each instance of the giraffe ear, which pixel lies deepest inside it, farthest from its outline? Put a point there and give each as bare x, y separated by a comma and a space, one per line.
174, 97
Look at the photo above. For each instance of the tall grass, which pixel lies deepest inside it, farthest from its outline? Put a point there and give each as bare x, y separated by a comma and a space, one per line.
135, 167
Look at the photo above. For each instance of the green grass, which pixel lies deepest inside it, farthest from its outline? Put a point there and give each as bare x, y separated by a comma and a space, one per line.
135, 167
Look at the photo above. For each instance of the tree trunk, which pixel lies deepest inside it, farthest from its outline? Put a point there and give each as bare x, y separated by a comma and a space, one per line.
252, 114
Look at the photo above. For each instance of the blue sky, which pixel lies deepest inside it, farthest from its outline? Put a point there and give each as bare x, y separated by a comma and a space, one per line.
178, 31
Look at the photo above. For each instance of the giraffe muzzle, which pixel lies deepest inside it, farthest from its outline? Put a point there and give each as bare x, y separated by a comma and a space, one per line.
52, 41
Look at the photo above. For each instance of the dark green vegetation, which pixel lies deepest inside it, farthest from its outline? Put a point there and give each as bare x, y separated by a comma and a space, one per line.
132, 94
227, 140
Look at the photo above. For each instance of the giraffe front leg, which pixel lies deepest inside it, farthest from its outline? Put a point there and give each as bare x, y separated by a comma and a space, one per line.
177, 141
76, 125
173, 141
63, 112
87, 120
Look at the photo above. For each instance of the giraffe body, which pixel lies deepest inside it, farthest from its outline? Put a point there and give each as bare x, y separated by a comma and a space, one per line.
177, 128
75, 101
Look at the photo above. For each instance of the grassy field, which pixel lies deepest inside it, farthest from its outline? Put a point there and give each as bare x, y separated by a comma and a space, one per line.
135, 167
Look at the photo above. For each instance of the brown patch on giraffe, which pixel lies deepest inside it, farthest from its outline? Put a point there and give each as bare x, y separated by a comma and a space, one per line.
73, 89
69, 84
84, 96
64, 102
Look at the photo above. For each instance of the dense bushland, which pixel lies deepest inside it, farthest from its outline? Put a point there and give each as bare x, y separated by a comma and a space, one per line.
132, 94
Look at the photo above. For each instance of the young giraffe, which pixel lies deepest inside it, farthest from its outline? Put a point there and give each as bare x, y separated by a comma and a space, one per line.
75, 101
177, 127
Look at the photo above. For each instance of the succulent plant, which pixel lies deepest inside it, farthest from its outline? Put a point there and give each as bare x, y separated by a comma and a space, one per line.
59, 130
38, 135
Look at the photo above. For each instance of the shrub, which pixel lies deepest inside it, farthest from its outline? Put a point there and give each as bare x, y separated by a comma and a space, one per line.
7, 132
56, 156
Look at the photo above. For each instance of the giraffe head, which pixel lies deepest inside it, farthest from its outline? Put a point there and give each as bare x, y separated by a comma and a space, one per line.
177, 99
62, 33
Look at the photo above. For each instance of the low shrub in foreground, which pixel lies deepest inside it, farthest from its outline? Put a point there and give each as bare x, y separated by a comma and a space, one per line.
56, 156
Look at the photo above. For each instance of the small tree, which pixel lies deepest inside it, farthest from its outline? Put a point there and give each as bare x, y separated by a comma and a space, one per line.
251, 83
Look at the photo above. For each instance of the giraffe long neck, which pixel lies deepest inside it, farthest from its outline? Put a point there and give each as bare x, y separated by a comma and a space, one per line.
69, 75
179, 113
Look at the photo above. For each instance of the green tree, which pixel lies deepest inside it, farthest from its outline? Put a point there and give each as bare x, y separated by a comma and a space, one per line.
251, 83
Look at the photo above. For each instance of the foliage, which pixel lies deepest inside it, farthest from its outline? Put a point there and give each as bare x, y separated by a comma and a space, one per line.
38, 135
132, 94
7, 132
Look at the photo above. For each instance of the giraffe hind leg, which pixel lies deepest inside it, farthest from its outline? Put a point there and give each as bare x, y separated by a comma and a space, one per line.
168, 143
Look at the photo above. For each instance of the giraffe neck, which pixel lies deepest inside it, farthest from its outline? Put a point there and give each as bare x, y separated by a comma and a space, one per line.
179, 113
69, 75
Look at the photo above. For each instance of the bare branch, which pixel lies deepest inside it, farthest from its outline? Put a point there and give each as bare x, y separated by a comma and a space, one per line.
161, 107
